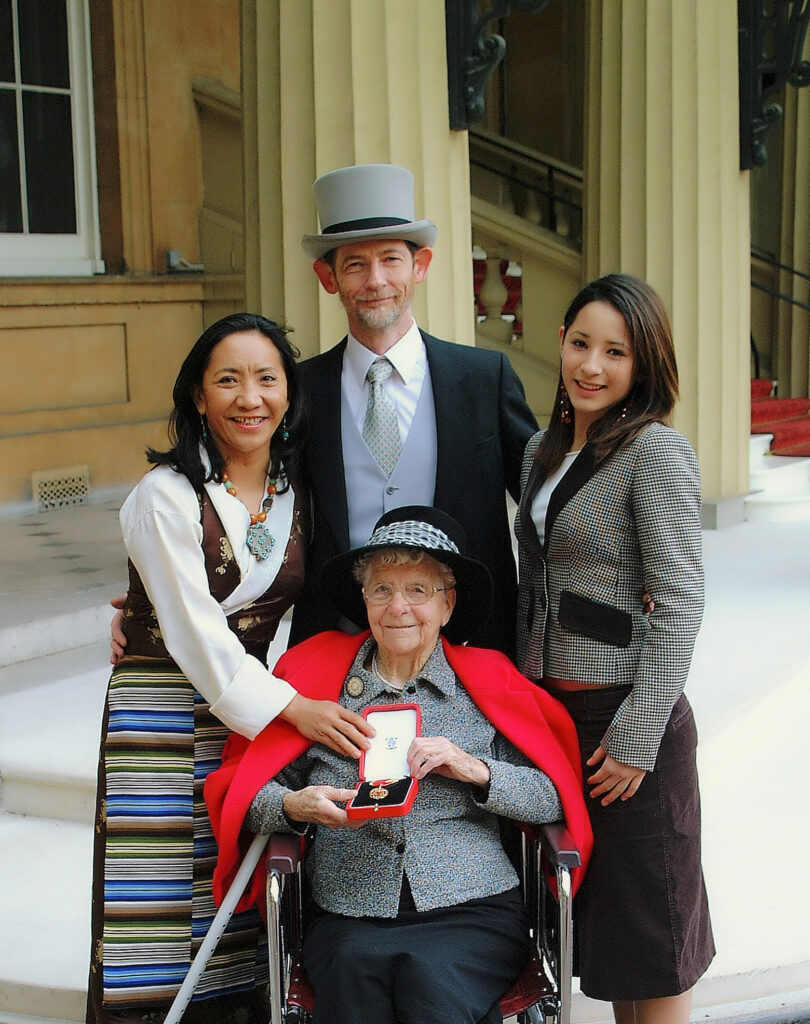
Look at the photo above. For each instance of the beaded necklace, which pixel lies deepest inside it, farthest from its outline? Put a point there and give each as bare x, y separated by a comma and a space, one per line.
259, 540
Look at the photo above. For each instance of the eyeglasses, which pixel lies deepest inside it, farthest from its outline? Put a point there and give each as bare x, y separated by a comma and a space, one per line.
413, 593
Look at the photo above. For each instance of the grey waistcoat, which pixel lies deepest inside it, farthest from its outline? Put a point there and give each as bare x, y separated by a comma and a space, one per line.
413, 481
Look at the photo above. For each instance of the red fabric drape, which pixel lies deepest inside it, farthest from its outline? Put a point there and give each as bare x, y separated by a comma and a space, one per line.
526, 714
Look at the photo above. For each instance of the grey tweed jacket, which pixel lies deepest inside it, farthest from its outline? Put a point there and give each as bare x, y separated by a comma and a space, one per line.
612, 531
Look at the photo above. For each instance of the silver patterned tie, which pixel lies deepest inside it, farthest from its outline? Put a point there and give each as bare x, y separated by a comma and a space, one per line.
380, 427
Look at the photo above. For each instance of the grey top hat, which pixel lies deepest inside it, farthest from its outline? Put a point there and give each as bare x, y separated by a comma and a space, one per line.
366, 202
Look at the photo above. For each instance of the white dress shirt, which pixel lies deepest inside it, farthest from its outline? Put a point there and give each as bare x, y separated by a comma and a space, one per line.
162, 532
409, 359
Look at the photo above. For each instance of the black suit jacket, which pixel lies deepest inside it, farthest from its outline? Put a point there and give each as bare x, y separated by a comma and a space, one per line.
482, 426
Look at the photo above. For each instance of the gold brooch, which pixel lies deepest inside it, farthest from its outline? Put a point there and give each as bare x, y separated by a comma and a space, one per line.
354, 687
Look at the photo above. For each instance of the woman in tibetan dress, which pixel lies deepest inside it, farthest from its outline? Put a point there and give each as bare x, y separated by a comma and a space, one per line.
215, 535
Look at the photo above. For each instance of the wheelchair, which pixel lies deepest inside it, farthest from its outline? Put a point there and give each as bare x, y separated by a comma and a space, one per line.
542, 992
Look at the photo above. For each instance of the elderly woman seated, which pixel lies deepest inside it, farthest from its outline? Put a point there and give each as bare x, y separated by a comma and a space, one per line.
418, 917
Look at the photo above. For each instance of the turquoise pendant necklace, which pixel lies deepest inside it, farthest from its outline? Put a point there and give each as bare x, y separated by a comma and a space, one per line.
259, 540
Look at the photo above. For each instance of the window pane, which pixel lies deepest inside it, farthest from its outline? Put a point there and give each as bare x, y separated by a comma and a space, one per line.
6, 42
49, 164
44, 43
10, 206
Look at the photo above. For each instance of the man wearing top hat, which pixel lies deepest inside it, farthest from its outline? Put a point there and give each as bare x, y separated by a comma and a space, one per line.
461, 419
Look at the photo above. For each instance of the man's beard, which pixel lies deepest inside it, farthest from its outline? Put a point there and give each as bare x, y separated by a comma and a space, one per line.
378, 319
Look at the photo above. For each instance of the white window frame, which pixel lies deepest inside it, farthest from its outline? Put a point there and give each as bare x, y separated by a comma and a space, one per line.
75, 255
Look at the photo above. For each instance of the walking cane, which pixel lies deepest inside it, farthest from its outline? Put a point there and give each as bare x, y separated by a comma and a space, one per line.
218, 926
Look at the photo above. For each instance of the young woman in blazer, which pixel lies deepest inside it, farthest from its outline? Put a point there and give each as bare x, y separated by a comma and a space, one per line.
610, 602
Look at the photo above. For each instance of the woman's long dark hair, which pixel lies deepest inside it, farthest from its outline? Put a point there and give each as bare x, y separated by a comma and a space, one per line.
654, 391
186, 424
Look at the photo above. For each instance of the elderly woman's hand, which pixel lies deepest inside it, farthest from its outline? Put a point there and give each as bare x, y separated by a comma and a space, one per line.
440, 755
324, 721
317, 804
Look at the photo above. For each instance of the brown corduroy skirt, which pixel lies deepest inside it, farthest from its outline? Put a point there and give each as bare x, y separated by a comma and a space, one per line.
641, 919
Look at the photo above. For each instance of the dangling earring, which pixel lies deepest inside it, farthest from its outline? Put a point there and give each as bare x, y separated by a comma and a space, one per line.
204, 427
284, 434
625, 409
565, 404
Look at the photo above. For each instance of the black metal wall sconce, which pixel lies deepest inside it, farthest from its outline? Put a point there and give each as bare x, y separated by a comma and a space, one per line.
772, 35
473, 53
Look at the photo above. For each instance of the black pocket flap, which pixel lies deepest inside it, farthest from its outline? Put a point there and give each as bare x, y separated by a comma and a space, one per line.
594, 619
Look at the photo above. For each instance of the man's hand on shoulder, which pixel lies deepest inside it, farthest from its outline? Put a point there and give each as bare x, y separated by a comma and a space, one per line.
118, 641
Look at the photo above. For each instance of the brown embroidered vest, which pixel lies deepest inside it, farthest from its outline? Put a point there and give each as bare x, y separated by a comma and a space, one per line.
256, 624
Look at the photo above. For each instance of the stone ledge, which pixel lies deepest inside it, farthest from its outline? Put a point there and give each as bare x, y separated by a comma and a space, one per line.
717, 513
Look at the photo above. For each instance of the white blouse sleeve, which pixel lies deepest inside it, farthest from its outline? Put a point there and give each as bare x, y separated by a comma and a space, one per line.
163, 537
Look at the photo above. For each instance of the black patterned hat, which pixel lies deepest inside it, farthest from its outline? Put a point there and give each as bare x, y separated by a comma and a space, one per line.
419, 528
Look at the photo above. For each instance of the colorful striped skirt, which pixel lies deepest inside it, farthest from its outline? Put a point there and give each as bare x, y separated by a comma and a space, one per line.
155, 851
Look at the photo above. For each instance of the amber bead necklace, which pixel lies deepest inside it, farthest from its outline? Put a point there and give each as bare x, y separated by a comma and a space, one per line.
259, 539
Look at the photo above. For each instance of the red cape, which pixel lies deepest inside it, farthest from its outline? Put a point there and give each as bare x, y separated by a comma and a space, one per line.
526, 714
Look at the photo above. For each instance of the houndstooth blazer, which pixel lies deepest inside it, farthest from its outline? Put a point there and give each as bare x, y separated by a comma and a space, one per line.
631, 524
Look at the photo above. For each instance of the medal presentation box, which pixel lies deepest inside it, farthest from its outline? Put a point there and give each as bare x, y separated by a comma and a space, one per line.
386, 790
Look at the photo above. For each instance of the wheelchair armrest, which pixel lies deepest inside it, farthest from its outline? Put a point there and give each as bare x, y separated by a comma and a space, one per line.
558, 846
283, 853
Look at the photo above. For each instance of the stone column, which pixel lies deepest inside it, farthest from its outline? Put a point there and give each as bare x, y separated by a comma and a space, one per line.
327, 83
133, 121
792, 366
666, 201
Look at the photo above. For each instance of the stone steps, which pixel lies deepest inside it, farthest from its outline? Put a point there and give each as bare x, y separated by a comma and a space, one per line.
50, 722
60, 568
57, 632
779, 485
45, 869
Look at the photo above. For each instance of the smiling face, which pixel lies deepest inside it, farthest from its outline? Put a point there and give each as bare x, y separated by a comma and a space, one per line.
407, 633
375, 281
597, 363
243, 394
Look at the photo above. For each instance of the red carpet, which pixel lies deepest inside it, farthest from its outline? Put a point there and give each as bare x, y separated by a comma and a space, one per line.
788, 419
761, 388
